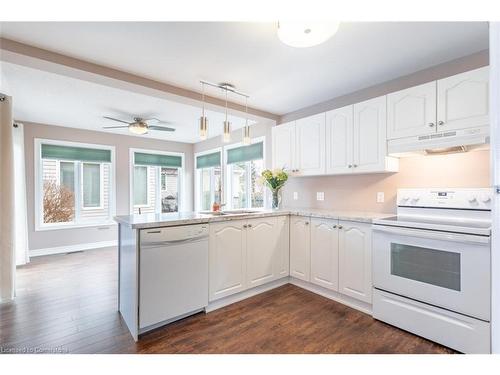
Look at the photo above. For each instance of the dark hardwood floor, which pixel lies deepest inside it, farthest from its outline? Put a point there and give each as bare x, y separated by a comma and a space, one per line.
67, 304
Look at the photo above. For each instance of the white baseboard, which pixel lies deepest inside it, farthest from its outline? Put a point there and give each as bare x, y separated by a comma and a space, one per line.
338, 297
72, 248
214, 305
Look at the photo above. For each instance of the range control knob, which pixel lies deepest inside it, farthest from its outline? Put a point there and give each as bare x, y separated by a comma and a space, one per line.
415, 199
404, 199
485, 198
472, 198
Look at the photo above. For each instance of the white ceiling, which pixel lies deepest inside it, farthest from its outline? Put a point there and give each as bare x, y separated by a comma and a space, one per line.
279, 78
54, 99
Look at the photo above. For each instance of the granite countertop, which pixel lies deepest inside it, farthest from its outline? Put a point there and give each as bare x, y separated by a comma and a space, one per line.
185, 218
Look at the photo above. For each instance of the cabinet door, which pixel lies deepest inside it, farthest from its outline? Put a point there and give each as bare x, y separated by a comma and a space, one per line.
325, 253
300, 254
283, 255
227, 258
355, 271
462, 100
339, 142
262, 248
412, 111
370, 140
284, 146
310, 145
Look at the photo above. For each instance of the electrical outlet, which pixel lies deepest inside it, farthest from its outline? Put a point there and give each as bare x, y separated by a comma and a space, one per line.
320, 196
380, 197
295, 195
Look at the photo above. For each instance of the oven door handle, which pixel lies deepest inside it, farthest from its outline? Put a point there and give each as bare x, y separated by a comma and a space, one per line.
433, 235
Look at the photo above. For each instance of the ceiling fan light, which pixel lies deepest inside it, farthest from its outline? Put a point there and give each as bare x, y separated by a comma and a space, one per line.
138, 128
306, 33
203, 128
226, 137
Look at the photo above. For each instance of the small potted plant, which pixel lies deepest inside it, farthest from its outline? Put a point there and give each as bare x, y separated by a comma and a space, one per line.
275, 180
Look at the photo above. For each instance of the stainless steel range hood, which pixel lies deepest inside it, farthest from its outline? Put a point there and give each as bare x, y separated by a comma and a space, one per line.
447, 142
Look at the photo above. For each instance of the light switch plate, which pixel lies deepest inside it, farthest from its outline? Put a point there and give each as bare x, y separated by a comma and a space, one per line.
295, 195
380, 197
320, 196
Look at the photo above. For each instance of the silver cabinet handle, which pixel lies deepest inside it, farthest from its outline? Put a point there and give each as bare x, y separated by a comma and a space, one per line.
441, 123
335, 226
431, 124
340, 227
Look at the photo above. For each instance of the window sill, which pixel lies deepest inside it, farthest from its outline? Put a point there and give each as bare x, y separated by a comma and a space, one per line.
74, 226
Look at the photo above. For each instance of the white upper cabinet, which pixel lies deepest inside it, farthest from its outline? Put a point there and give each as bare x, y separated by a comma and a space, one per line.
462, 100
355, 268
325, 253
310, 145
370, 137
412, 111
300, 247
284, 146
339, 142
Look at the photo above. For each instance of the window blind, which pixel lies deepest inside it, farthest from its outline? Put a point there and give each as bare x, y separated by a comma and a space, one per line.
208, 160
245, 153
50, 151
157, 160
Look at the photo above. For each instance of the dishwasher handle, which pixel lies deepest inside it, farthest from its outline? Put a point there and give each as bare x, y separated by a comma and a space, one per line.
145, 245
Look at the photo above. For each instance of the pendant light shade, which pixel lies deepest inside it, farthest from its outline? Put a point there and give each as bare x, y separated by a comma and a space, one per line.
203, 128
203, 119
226, 137
246, 130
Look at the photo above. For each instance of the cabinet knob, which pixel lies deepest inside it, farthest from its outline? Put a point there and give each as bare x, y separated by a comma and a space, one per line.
245, 226
349, 166
355, 165
249, 225
441, 123
335, 226
431, 124
306, 223
340, 227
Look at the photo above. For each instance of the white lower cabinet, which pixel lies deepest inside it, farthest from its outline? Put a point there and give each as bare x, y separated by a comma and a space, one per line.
325, 253
355, 271
246, 253
300, 247
227, 258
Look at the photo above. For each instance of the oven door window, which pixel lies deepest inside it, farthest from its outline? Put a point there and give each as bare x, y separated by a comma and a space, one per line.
435, 267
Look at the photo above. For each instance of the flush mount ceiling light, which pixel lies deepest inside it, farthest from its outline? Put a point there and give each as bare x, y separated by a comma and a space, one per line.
306, 33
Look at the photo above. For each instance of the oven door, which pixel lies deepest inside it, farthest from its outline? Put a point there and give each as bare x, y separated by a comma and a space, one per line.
449, 270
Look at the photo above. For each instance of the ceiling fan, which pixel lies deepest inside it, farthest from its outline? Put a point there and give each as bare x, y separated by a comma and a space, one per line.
140, 125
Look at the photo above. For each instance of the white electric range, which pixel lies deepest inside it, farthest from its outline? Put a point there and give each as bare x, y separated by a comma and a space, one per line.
431, 266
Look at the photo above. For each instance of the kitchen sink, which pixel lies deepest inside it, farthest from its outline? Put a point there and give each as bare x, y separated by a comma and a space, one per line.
228, 212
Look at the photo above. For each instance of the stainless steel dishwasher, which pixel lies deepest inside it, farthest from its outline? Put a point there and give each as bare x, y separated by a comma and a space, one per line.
173, 277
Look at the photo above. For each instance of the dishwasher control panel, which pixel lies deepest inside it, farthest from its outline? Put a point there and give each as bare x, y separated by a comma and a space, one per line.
173, 234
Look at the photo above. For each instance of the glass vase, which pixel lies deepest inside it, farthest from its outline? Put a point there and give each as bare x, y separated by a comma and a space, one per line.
276, 199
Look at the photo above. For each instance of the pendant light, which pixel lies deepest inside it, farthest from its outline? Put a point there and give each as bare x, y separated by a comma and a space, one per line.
246, 130
203, 119
226, 137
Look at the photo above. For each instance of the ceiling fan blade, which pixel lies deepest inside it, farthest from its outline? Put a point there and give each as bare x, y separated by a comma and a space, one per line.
158, 120
115, 127
115, 119
161, 128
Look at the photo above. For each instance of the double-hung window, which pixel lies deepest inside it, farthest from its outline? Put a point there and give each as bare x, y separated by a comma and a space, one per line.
74, 184
208, 179
244, 165
156, 181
